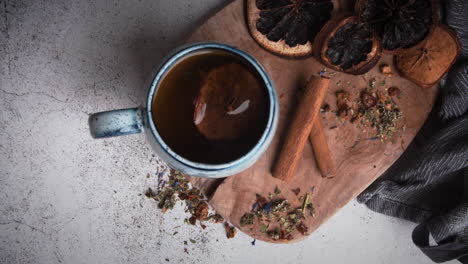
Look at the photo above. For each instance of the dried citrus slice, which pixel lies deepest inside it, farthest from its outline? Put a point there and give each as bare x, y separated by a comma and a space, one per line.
427, 64
400, 24
347, 45
287, 27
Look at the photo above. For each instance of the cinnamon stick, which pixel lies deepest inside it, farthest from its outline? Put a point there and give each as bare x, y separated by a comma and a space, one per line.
301, 126
322, 153
321, 150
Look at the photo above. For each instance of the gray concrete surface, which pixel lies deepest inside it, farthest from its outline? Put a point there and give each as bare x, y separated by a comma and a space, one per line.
65, 198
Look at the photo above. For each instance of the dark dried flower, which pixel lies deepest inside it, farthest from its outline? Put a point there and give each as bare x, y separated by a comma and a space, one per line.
183, 196
201, 212
261, 201
325, 108
342, 99
393, 91
302, 228
149, 193
296, 191
274, 234
192, 220
230, 231
368, 99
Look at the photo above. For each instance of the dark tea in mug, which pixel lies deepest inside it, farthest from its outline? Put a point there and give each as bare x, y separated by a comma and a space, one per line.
211, 107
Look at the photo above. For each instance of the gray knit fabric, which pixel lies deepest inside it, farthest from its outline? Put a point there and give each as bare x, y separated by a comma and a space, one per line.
429, 183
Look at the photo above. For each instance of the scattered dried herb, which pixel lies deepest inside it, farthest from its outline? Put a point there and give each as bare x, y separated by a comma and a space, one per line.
177, 188
277, 191
373, 108
342, 99
192, 241
383, 116
192, 220
278, 214
247, 219
311, 209
325, 108
302, 228
216, 218
305, 203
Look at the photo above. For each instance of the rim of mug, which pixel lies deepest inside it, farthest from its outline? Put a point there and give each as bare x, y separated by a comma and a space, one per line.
272, 98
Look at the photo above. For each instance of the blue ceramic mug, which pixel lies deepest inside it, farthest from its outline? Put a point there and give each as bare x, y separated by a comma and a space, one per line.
138, 120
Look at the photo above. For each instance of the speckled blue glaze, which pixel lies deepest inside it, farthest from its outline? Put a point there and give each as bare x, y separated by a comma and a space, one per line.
116, 123
131, 121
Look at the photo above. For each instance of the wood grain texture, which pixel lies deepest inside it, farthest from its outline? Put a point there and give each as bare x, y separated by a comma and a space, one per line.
358, 160
300, 128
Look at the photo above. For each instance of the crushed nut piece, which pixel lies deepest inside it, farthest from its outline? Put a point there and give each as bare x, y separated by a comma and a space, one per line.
386, 70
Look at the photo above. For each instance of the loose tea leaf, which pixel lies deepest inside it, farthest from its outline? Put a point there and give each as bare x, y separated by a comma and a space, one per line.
277, 190
247, 219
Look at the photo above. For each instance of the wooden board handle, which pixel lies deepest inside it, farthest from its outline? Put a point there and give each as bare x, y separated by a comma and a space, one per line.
301, 126
321, 150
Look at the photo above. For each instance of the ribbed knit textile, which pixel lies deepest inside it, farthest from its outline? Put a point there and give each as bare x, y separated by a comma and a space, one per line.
429, 183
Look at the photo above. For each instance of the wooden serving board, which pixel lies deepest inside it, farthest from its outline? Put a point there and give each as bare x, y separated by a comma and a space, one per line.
358, 160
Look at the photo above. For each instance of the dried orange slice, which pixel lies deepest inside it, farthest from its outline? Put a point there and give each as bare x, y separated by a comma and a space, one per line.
427, 64
287, 27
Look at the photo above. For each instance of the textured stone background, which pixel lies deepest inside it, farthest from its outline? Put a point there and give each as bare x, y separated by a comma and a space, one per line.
65, 198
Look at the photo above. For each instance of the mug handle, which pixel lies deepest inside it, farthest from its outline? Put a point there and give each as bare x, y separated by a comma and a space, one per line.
116, 123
